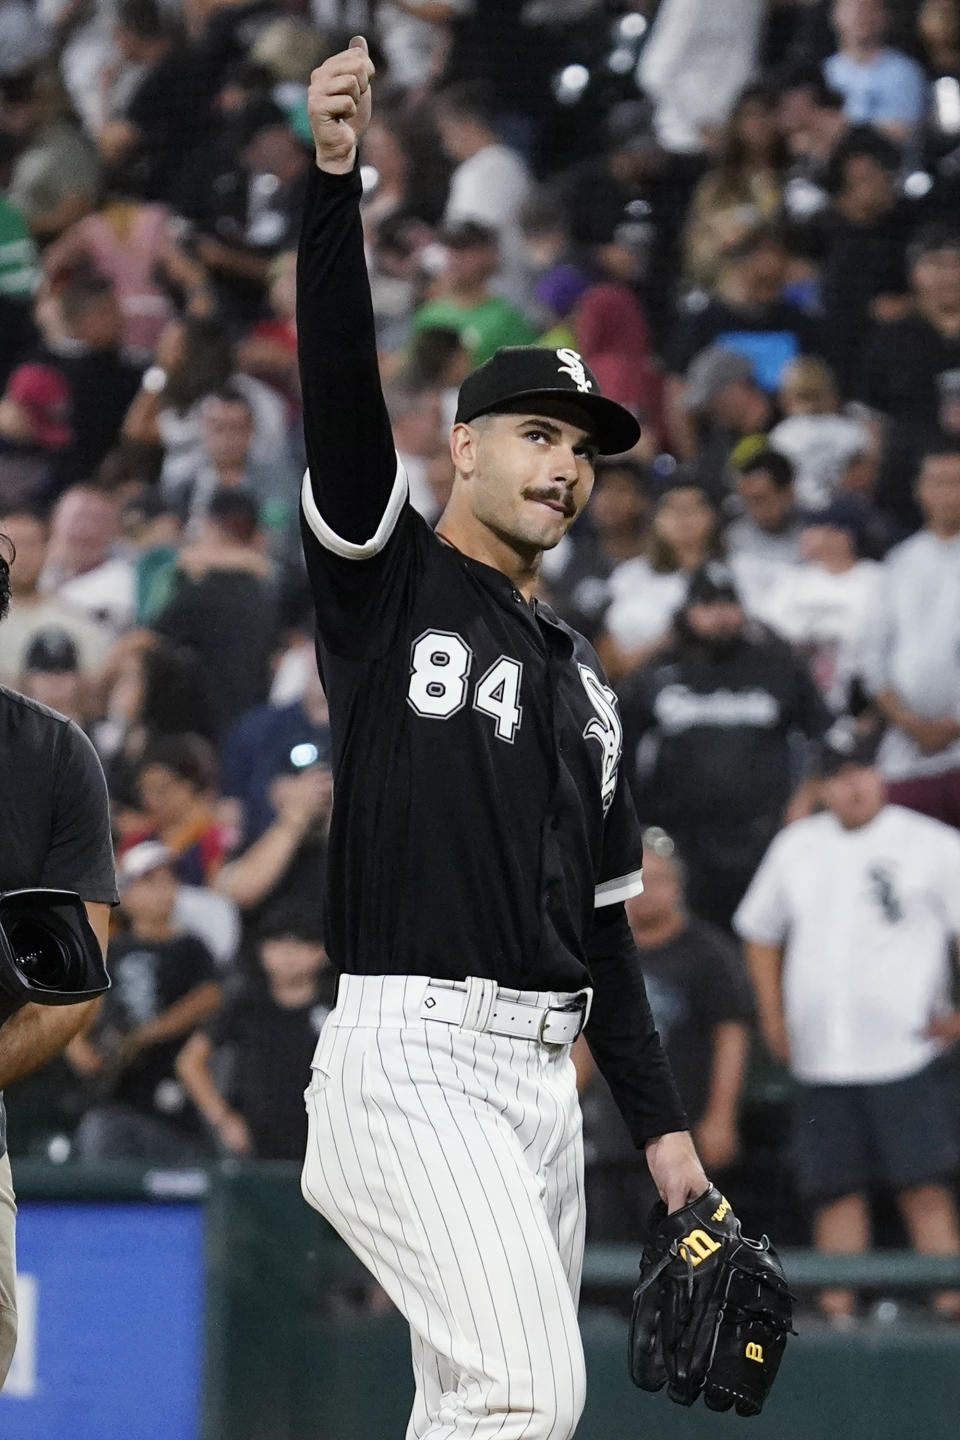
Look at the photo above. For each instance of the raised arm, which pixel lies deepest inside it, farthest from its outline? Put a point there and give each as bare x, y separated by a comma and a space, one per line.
354, 494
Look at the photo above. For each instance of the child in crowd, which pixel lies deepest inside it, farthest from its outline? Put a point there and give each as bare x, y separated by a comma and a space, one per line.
266, 1034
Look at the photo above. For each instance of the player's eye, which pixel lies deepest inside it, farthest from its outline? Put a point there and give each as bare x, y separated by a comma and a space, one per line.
587, 452
537, 435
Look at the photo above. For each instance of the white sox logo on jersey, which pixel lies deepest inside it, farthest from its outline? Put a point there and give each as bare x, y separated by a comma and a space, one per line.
572, 365
606, 729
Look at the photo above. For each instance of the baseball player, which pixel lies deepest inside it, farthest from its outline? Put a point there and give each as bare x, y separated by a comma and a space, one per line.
481, 847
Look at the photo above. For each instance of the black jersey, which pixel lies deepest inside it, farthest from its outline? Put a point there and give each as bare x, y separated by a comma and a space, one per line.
480, 823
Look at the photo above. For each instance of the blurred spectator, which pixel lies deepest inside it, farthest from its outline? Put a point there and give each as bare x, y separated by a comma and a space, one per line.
269, 350
825, 606
741, 189
912, 649
81, 567
414, 36
195, 358
33, 611
223, 607
770, 527
131, 242
726, 416
700, 998
264, 1037
288, 857
462, 298
708, 727
70, 397
648, 590
701, 1001
55, 176
630, 185
813, 120
747, 312
419, 435
272, 740
610, 331
829, 450
151, 690
163, 986
849, 924
51, 676
907, 391
881, 86
236, 234
866, 231
699, 56
577, 572
176, 779
164, 117
227, 426
490, 182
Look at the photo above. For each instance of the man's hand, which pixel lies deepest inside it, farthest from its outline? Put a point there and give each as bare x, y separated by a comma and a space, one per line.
675, 1168
339, 106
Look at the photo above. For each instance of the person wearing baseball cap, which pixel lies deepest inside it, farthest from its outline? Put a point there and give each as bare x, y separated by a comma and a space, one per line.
51, 674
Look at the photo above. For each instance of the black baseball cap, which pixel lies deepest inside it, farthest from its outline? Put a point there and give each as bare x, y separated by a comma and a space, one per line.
713, 583
52, 651
844, 745
532, 372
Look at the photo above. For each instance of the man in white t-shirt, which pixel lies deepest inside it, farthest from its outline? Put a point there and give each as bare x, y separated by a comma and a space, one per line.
849, 924
911, 649
490, 182
825, 605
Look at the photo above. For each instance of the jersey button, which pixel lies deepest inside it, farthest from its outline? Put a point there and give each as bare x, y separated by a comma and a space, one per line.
518, 597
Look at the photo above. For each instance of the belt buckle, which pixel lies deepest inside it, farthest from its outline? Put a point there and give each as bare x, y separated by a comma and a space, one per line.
579, 1004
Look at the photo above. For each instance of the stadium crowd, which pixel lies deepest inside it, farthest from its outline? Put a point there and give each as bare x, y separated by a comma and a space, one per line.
745, 216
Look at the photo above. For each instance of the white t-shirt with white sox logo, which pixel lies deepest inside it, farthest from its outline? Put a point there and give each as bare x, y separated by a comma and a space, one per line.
866, 918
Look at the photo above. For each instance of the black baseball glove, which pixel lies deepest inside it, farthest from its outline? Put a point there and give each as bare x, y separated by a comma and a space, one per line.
712, 1311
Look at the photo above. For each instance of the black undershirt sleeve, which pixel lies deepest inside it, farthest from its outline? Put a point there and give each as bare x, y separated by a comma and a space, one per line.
622, 1035
350, 451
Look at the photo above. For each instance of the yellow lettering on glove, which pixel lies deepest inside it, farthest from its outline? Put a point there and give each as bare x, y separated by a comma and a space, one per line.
722, 1209
754, 1352
697, 1246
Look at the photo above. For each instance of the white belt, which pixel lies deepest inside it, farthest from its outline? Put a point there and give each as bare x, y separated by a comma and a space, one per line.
476, 1004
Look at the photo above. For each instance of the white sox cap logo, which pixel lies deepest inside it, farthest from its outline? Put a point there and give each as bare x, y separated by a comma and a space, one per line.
571, 364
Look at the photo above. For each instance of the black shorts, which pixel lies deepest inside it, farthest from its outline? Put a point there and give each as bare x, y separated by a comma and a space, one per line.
851, 1137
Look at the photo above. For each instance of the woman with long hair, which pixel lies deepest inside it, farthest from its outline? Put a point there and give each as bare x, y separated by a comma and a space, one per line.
648, 590
742, 189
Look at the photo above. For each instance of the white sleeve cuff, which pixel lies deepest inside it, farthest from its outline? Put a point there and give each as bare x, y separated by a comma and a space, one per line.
349, 549
610, 892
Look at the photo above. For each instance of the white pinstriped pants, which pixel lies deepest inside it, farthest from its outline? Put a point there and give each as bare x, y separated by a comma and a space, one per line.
451, 1163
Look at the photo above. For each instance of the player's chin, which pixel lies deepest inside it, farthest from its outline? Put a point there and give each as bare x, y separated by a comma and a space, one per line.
548, 528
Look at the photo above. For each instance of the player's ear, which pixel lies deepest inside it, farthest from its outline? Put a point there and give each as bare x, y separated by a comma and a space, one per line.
463, 448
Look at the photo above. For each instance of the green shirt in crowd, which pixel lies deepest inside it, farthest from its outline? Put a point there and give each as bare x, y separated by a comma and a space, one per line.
482, 328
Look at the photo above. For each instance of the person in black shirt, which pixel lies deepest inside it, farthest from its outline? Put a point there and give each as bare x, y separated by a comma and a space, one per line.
54, 831
865, 236
481, 845
267, 1033
165, 117
163, 987
708, 724
909, 395
701, 1000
